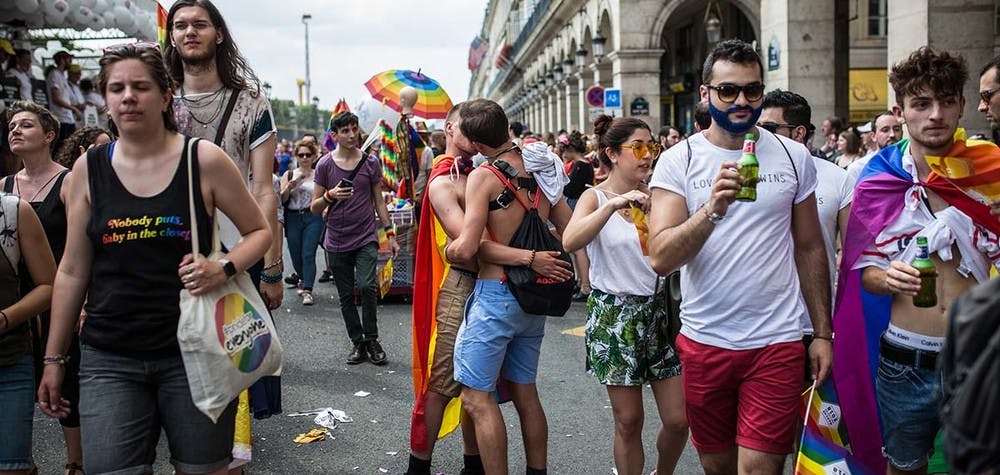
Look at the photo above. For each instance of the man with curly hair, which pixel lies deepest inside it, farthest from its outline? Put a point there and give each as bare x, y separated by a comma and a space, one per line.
897, 200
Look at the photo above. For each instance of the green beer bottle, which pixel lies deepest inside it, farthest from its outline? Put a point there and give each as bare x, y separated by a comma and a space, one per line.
749, 168
927, 296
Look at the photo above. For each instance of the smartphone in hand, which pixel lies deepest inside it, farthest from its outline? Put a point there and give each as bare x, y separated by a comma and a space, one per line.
345, 183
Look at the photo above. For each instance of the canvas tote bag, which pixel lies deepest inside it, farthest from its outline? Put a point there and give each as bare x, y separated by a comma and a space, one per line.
226, 336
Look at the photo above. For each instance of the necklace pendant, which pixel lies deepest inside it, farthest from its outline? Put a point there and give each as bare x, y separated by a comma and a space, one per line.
204, 126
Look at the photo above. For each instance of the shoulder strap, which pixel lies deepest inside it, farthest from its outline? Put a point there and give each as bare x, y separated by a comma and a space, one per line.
221, 132
9, 234
8, 183
357, 168
687, 169
507, 184
795, 170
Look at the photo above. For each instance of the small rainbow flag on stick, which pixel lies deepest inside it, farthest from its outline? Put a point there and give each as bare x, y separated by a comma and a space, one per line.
824, 448
161, 26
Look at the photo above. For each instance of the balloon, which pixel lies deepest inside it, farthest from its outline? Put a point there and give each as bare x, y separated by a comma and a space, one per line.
28, 6
96, 22
56, 8
101, 6
36, 20
86, 3
109, 18
82, 15
123, 18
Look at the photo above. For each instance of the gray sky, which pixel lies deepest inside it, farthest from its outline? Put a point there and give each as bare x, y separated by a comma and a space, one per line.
352, 40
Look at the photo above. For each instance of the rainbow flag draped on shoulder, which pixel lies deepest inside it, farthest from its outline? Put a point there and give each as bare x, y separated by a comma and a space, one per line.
860, 317
429, 272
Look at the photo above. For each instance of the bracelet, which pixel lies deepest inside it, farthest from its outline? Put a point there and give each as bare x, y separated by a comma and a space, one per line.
273, 264
60, 360
532, 260
6, 322
824, 337
326, 197
270, 278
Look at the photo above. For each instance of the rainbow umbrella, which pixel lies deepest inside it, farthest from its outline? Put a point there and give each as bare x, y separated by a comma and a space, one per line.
432, 101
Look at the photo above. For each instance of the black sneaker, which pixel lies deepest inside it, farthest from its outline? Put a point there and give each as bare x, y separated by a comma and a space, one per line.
326, 276
359, 354
376, 354
292, 280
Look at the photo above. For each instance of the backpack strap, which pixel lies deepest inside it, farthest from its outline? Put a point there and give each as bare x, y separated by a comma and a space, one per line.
795, 169
503, 199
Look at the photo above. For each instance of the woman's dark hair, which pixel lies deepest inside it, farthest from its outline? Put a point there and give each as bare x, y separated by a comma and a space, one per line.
149, 57
82, 138
234, 71
575, 142
48, 121
613, 133
852, 141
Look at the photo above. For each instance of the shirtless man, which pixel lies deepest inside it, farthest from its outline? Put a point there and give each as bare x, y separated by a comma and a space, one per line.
447, 204
928, 87
497, 332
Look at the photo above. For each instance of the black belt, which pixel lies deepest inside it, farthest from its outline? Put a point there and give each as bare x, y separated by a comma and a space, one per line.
300, 211
465, 272
908, 356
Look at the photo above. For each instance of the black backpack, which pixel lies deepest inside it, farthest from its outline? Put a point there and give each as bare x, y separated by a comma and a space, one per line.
970, 369
535, 294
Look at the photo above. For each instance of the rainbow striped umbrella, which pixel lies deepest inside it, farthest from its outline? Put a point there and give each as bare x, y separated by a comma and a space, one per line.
432, 101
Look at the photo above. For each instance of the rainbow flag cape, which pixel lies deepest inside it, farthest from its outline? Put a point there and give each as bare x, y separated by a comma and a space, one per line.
860, 317
429, 272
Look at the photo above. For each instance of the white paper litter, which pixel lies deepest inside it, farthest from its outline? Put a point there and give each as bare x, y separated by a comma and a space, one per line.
362, 394
329, 418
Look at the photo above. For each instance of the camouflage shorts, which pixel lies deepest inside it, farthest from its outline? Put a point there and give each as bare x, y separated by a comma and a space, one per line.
627, 340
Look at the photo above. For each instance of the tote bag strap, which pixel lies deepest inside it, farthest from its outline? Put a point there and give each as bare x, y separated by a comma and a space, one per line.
192, 147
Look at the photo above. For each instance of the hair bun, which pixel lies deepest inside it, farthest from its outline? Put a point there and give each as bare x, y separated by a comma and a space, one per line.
602, 123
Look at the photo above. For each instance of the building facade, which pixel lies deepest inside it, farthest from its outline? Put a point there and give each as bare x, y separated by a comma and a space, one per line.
541, 59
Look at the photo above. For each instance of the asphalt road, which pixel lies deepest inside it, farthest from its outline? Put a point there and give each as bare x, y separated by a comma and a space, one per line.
315, 375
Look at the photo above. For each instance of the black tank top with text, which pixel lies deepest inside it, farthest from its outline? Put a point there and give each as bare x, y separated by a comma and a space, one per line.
133, 304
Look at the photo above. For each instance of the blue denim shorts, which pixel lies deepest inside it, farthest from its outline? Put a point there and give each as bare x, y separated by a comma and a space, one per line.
17, 400
124, 403
496, 334
908, 401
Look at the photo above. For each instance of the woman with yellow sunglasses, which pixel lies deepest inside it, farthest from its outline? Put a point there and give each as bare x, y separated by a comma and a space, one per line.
626, 335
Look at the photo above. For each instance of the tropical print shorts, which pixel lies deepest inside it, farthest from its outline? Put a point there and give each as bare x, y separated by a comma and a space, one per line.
628, 343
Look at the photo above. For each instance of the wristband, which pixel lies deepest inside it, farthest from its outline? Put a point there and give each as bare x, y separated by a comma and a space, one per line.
60, 360
532, 260
824, 337
713, 217
326, 197
270, 278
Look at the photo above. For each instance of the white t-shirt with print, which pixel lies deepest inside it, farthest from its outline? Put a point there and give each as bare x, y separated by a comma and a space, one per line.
741, 291
834, 192
56, 81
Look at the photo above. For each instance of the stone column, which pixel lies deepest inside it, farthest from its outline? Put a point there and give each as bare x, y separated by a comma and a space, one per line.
581, 103
803, 33
595, 68
964, 27
571, 107
637, 74
550, 110
560, 100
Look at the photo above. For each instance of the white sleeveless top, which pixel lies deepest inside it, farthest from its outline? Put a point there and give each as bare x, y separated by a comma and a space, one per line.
617, 265
300, 197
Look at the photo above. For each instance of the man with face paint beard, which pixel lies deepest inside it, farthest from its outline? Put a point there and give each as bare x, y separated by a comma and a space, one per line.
740, 344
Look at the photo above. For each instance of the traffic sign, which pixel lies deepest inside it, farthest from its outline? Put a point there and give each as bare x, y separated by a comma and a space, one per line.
593, 113
595, 96
613, 98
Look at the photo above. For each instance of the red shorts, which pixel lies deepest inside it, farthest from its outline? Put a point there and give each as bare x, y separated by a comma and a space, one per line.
748, 398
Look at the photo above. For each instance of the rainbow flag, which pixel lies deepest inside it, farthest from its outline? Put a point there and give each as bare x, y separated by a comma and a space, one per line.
824, 416
861, 317
161, 26
819, 456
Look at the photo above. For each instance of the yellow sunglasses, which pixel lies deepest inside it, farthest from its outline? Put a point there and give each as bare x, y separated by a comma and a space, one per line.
643, 149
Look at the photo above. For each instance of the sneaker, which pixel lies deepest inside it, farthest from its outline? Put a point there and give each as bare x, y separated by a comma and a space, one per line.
359, 354
376, 354
298, 288
326, 276
293, 280
307, 297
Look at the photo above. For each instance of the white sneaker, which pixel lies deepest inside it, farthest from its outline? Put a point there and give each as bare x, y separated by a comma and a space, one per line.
307, 297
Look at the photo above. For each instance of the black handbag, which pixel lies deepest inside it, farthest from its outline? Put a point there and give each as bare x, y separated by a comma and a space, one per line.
668, 291
535, 294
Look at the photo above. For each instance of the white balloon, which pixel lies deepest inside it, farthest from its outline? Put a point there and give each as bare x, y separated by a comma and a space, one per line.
82, 15
28, 6
109, 18
35, 21
101, 6
123, 18
96, 22
87, 3
56, 8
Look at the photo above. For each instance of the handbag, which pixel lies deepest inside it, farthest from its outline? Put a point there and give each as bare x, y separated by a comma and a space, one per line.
535, 294
668, 292
226, 335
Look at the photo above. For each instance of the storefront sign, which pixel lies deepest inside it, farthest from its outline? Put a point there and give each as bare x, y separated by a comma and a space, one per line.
639, 106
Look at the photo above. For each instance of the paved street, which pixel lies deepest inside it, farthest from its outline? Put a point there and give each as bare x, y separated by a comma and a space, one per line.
315, 375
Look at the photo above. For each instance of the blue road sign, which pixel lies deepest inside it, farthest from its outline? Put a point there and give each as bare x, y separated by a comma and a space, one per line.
613, 98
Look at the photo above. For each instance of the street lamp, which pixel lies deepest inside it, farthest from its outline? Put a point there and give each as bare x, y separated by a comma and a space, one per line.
581, 58
549, 79
713, 23
305, 21
267, 89
557, 73
597, 44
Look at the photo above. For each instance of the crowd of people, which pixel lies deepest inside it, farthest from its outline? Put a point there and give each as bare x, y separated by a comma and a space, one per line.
97, 246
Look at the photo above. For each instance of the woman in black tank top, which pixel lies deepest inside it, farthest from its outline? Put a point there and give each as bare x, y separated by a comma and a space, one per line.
33, 130
128, 252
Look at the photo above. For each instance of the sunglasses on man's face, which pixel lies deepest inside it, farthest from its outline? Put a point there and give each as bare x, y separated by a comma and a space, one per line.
988, 94
728, 93
642, 149
773, 127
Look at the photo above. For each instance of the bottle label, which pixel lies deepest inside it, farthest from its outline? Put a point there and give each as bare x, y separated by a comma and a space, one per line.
923, 253
749, 146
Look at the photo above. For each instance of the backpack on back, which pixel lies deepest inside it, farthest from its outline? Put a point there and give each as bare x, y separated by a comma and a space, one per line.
970, 367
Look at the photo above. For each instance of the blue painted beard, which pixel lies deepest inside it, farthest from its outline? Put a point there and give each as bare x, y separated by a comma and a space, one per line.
722, 118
